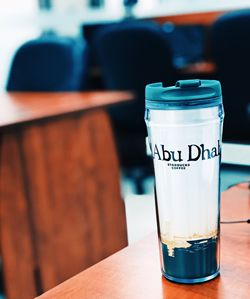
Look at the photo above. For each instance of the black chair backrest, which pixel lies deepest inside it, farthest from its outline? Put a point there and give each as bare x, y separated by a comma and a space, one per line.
231, 51
48, 64
187, 43
133, 54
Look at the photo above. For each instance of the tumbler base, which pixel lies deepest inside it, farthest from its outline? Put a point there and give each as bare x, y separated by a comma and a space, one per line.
191, 280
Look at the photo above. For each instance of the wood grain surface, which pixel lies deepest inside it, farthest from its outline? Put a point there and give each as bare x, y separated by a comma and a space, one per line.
61, 208
196, 18
19, 107
134, 272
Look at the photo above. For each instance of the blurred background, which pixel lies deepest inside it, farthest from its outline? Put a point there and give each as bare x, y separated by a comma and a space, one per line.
90, 45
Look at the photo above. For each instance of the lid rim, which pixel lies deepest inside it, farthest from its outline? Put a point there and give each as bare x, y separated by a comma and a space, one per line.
156, 105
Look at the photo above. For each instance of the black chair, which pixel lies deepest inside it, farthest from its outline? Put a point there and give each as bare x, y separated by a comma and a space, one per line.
231, 51
187, 43
48, 64
132, 54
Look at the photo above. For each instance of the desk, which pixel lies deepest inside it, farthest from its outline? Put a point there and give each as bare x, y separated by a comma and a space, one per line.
59, 187
23, 107
134, 272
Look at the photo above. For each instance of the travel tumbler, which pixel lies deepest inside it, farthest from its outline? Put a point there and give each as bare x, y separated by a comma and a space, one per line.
184, 124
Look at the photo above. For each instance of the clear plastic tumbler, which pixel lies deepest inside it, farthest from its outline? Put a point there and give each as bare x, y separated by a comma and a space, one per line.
184, 124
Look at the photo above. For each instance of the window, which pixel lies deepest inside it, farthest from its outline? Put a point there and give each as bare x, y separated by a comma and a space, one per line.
11, 7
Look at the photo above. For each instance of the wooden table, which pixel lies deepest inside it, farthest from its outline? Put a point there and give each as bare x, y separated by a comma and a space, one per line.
60, 188
23, 107
189, 12
134, 272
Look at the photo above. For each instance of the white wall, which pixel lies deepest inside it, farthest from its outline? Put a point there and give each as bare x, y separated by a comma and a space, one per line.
17, 24
10, 7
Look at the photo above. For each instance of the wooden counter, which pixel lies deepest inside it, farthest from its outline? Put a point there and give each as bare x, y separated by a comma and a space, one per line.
61, 207
134, 272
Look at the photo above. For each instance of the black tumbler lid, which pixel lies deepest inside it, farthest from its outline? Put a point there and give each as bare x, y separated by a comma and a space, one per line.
186, 94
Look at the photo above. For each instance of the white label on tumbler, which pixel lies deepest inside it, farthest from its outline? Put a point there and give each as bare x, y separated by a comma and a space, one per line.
186, 161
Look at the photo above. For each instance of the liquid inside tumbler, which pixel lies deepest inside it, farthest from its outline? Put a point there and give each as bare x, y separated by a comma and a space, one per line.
184, 124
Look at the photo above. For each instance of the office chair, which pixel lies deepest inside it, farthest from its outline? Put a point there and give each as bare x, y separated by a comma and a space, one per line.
132, 54
231, 51
48, 64
187, 43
